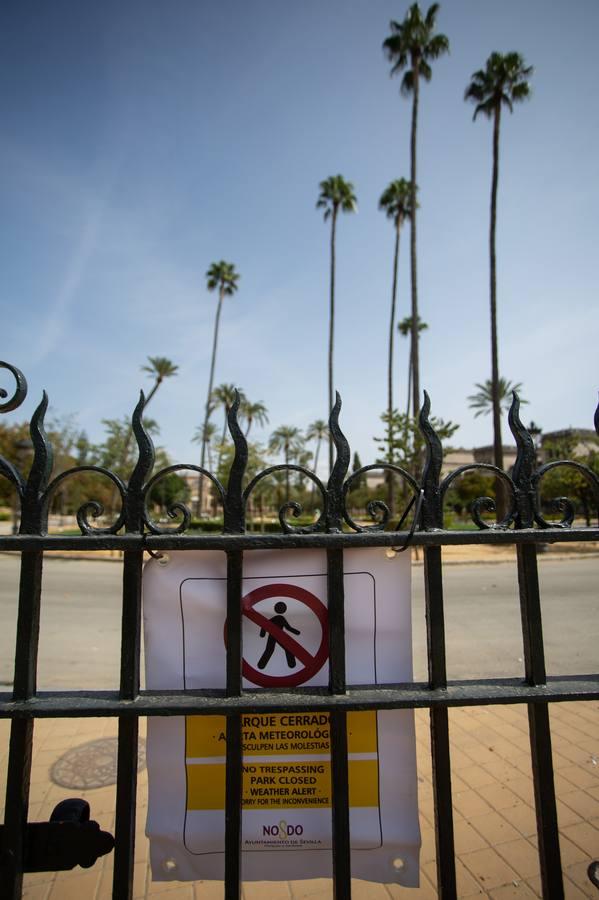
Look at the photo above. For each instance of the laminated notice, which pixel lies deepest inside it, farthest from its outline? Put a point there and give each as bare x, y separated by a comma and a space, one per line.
286, 775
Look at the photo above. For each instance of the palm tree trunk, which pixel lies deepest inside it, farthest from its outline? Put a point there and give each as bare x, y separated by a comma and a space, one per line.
222, 439
157, 384
497, 444
409, 384
221, 294
332, 330
413, 262
390, 503
316, 453
286, 474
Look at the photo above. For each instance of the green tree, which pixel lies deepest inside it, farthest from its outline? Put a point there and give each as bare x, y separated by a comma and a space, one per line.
502, 82
335, 194
403, 448
317, 431
565, 481
410, 47
468, 488
396, 201
482, 400
356, 466
253, 412
169, 489
220, 276
286, 439
116, 452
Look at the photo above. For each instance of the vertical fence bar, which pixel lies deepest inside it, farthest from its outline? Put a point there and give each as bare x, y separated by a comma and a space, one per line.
338, 728
126, 788
233, 783
539, 727
437, 674
21, 732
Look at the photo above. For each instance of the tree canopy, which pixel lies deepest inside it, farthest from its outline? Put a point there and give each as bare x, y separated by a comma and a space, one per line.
413, 43
502, 82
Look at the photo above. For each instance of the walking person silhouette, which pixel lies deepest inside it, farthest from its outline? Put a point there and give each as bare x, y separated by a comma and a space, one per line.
281, 622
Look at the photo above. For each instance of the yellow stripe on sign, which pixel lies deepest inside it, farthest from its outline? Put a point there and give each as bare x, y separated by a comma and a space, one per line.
271, 786
206, 787
279, 735
361, 732
265, 785
363, 782
205, 736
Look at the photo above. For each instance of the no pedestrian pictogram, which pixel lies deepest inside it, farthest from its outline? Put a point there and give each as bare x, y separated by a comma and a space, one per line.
278, 631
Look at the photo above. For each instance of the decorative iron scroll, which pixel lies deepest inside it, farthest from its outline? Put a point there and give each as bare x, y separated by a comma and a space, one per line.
521, 486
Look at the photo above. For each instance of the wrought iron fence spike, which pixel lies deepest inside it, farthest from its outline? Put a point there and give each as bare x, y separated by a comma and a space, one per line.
432, 511
234, 513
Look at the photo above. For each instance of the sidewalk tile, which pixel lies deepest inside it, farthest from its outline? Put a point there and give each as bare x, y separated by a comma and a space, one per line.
566, 815
582, 776
494, 828
523, 787
363, 890
171, 890
470, 804
585, 836
522, 856
518, 890
75, 887
489, 869
36, 892
582, 803
208, 890
311, 888
467, 885
266, 890
476, 776
467, 838
498, 796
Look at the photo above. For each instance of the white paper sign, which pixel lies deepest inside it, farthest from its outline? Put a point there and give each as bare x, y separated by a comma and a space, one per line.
286, 781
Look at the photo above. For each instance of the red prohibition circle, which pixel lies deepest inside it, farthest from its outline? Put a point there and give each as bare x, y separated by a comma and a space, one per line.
312, 664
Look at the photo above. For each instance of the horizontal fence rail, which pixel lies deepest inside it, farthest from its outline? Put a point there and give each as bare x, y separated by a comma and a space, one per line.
134, 531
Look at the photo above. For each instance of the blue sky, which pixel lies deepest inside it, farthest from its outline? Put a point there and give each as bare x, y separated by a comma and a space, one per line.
140, 142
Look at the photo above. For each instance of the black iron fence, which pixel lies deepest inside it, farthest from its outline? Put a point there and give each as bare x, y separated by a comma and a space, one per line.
70, 838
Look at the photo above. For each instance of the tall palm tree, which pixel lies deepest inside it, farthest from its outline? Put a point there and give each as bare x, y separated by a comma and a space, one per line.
254, 412
159, 368
503, 81
220, 276
286, 438
317, 431
395, 200
483, 400
224, 395
411, 46
199, 437
405, 329
335, 194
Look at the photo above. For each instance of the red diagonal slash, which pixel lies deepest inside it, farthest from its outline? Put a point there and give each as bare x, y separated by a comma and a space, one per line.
281, 636
312, 663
